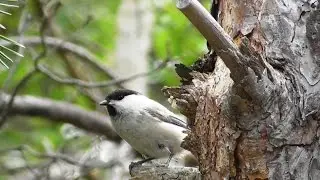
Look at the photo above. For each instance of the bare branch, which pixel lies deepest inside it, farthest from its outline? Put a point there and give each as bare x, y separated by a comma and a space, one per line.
78, 82
61, 44
62, 112
6, 109
206, 24
245, 64
70, 160
218, 39
25, 149
28, 167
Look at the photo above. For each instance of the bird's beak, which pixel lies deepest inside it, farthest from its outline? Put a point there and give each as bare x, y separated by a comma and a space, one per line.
104, 103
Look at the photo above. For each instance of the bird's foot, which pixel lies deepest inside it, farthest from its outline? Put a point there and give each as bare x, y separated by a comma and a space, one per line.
164, 164
169, 159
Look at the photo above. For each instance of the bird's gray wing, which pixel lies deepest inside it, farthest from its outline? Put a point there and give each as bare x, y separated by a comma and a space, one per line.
168, 119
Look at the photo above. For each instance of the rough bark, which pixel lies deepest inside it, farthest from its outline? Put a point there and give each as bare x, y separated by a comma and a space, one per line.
160, 173
261, 119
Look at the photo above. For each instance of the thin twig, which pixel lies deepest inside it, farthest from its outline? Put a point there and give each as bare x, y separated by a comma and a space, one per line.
57, 156
72, 161
6, 109
16, 148
62, 157
23, 155
78, 82
86, 56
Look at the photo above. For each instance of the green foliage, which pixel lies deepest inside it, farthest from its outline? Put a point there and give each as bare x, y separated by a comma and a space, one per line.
91, 23
174, 36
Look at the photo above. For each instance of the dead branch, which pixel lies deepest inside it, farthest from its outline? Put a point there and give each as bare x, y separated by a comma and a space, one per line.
207, 25
238, 60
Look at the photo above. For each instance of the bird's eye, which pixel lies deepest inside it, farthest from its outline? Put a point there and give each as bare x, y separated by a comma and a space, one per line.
120, 97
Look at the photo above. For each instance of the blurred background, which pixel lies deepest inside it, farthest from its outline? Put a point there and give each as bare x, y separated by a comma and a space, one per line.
76, 52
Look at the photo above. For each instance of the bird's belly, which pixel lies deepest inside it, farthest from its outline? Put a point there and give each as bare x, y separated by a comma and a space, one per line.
154, 139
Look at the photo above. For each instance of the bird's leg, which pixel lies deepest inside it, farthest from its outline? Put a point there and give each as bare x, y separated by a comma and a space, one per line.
142, 161
170, 157
162, 146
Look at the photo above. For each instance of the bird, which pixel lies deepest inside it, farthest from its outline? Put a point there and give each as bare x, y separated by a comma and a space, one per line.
149, 127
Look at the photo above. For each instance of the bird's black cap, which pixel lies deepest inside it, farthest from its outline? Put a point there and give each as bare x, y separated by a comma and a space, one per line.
116, 95
120, 94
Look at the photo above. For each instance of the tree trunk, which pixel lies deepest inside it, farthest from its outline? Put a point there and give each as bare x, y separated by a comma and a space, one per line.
135, 20
256, 116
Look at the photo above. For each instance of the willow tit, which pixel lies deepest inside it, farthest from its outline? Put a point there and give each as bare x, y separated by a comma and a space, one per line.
150, 128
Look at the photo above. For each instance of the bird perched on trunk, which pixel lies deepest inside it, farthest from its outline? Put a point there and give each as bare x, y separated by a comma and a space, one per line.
150, 128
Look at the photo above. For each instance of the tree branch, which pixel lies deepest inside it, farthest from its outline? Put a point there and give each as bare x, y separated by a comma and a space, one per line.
162, 173
246, 66
26, 78
85, 165
102, 84
6, 108
219, 40
61, 44
70, 160
61, 112
206, 24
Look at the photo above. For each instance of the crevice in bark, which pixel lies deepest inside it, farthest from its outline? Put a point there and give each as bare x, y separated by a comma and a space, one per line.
237, 159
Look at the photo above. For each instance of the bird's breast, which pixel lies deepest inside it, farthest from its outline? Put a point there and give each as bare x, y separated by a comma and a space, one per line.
149, 136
